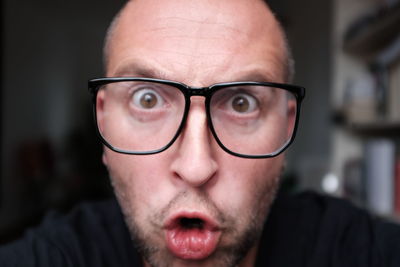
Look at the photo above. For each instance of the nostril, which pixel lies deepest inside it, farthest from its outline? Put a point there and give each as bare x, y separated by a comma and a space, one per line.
191, 223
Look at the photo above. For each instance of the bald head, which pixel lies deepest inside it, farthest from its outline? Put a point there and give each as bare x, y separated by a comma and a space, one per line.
255, 17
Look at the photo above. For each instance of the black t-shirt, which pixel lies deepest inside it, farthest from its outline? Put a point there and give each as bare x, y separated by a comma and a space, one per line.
303, 230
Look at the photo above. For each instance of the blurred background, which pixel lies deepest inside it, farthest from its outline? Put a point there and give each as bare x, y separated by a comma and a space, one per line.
347, 56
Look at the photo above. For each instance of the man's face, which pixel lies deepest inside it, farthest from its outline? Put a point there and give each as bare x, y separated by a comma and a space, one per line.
194, 203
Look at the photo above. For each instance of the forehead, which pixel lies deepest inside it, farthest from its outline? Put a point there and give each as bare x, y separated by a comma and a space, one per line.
193, 40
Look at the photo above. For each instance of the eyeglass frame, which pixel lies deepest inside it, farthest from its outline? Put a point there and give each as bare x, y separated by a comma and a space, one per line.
94, 86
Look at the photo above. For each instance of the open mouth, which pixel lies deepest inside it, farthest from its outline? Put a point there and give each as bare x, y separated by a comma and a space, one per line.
191, 223
191, 236
191, 220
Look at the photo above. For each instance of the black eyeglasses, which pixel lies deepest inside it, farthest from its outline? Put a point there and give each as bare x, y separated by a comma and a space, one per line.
141, 116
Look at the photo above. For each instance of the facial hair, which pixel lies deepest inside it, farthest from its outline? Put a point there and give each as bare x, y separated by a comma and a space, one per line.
227, 254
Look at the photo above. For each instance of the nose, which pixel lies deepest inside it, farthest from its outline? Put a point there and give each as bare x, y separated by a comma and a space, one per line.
194, 161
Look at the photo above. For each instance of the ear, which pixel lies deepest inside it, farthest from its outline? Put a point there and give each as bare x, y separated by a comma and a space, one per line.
100, 109
99, 118
104, 158
291, 116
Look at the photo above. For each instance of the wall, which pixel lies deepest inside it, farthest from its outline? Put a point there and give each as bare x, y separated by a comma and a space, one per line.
51, 48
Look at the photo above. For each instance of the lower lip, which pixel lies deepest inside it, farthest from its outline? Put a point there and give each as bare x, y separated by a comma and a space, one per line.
192, 244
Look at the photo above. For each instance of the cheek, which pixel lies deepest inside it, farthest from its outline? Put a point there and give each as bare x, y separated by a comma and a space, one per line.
137, 182
251, 185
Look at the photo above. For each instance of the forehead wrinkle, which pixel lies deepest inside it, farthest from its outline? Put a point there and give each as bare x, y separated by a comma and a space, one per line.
209, 27
174, 19
200, 37
207, 40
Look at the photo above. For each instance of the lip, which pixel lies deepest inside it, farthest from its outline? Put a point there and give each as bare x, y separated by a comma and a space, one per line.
191, 242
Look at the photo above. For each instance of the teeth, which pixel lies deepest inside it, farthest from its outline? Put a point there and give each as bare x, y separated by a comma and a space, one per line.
191, 223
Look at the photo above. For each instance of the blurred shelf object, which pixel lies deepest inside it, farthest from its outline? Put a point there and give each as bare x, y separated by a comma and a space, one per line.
372, 32
377, 127
381, 128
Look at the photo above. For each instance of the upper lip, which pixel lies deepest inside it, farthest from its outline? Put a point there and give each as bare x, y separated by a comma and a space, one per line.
174, 220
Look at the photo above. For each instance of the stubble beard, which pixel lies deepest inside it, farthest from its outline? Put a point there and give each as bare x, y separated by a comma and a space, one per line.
229, 255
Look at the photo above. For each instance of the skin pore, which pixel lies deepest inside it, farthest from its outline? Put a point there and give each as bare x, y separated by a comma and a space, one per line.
198, 43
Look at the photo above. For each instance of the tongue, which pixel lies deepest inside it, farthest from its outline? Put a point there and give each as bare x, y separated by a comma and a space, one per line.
191, 243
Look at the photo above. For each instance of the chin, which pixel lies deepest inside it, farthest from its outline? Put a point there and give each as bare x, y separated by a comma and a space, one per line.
234, 246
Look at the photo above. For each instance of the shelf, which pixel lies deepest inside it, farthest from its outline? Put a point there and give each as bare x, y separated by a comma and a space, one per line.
372, 33
381, 128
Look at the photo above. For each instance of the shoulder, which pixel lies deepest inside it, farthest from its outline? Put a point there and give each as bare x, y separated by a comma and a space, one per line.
93, 234
325, 231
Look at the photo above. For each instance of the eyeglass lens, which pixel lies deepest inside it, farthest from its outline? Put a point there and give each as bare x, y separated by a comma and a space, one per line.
141, 116
253, 119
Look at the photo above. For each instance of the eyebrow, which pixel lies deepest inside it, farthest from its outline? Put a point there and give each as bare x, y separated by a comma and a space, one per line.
135, 69
256, 76
140, 70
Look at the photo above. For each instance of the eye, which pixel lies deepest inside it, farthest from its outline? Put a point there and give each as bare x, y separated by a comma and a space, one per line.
243, 103
147, 99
